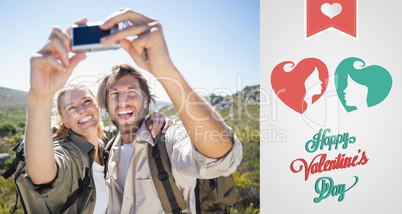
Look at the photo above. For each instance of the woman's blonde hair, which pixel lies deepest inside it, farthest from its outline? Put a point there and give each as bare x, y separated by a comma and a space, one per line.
62, 131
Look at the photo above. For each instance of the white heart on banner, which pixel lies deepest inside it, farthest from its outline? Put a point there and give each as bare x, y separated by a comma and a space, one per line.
331, 10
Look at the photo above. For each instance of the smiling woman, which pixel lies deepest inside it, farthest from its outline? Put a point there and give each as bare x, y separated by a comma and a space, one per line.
72, 104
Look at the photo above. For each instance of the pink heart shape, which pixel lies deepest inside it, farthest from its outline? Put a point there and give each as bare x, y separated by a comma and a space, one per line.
291, 86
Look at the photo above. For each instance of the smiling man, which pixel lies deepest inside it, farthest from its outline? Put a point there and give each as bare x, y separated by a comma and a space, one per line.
126, 95
202, 147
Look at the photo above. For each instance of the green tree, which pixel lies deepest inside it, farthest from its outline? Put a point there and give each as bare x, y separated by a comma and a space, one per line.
8, 127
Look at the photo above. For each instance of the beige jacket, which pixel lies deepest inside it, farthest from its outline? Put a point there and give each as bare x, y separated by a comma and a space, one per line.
139, 195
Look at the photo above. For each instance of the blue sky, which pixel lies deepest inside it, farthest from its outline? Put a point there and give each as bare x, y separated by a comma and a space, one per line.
214, 43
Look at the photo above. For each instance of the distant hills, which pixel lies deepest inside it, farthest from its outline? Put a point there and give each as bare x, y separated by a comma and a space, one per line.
239, 110
11, 99
13, 105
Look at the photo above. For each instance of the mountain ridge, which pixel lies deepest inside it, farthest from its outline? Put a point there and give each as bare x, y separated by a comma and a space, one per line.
12, 99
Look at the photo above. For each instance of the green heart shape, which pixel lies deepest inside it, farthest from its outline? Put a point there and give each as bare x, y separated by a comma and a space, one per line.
376, 78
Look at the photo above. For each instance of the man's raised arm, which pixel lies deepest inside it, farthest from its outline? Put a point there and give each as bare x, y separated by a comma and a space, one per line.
207, 130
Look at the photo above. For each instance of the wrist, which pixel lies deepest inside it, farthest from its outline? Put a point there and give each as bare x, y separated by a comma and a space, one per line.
32, 98
167, 69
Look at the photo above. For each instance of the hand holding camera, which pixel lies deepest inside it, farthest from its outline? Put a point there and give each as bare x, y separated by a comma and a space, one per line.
51, 66
86, 38
148, 49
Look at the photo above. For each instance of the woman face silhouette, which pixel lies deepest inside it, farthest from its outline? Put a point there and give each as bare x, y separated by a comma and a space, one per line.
359, 85
313, 84
355, 94
301, 85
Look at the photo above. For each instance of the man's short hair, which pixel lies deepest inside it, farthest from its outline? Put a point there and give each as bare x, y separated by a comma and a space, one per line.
119, 71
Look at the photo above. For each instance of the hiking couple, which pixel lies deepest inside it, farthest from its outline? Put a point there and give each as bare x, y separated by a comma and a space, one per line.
55, 163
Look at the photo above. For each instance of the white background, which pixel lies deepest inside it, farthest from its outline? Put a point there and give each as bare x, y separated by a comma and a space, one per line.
377, 130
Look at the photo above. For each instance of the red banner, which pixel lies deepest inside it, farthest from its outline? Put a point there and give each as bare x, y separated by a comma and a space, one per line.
339, 14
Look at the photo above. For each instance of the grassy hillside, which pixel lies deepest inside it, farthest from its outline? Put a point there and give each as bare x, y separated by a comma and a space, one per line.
12, 105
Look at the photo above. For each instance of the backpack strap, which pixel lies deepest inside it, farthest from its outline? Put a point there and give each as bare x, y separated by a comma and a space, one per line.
197, 197
19, 156
82, 184
107, 153
78, 192
169, 194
